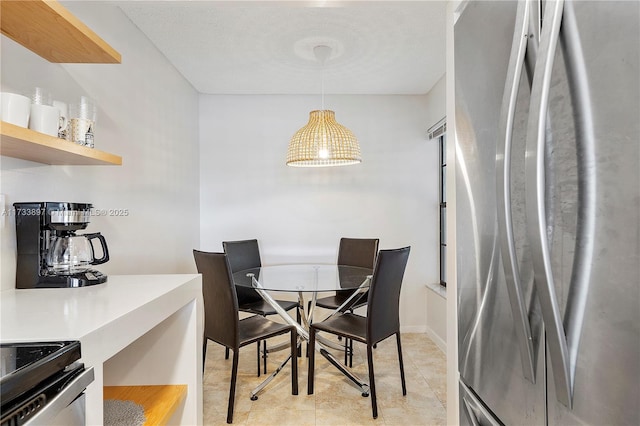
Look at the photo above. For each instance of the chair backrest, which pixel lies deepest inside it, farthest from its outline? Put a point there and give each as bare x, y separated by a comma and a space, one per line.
241, 255
383, 316
220, 302
358, 252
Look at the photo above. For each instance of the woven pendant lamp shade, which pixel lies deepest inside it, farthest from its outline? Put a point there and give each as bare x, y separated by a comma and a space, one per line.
323, 142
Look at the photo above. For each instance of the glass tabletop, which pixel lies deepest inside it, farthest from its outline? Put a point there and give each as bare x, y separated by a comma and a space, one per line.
304, 277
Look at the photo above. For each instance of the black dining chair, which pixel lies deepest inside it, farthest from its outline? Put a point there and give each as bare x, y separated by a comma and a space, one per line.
245, 254
351, 252
382, 320
223, 326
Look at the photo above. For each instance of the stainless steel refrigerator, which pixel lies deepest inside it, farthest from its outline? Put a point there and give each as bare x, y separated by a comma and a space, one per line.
548, 212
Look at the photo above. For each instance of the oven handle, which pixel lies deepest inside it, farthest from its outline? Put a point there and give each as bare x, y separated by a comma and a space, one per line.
70, 392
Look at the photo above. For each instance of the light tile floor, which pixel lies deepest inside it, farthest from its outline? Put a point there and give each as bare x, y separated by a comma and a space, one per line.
335, 400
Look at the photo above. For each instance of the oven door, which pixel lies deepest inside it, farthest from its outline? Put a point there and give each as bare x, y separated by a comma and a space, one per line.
68, 406
73, 414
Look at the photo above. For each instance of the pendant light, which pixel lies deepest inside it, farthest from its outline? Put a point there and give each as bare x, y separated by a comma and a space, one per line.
323, 141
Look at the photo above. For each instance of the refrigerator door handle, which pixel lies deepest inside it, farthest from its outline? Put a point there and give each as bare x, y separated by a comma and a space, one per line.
478, 414
470, 413
503, 190
575, 309
535, 202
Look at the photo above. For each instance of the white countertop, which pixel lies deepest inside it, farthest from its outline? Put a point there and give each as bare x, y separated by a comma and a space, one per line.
74, 313
133, 330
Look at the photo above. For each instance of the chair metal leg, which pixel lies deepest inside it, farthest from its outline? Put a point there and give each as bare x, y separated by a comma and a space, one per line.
232, 387
293, 357
204, 353
264, 355
312, 358
299, 320
258, 356
372, 383
404, 386
294, 362
346, 351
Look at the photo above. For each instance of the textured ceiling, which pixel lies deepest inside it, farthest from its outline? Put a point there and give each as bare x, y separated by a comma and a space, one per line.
240, 47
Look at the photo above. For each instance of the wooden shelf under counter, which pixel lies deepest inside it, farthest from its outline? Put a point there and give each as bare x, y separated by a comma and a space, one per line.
48, 29
19, 142
158, 401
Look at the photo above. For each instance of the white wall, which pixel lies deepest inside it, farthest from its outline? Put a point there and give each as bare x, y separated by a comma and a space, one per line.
437, 104
299, 214
435, 302
148, 114
437, 316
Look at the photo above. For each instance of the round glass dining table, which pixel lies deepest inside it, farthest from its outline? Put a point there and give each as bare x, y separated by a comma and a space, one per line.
303, 277
308, 279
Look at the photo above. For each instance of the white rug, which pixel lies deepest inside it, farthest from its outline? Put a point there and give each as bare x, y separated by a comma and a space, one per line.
123, 413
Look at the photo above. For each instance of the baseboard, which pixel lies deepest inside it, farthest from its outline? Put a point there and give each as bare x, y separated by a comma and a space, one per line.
441, 344
413, 329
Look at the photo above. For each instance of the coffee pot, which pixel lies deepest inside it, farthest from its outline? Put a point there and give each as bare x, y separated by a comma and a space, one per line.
50, 251
72, 254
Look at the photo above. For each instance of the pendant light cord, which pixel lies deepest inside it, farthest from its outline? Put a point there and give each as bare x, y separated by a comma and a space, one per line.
322, 53
322, 84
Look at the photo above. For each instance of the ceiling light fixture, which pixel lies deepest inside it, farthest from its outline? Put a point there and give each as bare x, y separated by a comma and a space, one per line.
323, 141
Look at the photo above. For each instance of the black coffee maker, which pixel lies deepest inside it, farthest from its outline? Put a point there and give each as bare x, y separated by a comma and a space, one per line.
50, 254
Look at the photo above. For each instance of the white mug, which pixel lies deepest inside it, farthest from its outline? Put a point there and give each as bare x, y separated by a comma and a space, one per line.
63, 122
44, 119
15, 108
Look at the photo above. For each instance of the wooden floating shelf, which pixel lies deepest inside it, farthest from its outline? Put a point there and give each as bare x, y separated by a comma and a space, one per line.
48, 29
27, 144
159, 401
